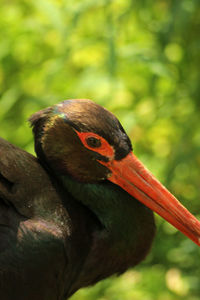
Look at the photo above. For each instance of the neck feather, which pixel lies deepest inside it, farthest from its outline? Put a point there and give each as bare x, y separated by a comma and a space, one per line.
126, 234
126, 220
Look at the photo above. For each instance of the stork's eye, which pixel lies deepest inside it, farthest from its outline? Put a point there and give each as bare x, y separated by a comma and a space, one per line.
93, 142
96, 143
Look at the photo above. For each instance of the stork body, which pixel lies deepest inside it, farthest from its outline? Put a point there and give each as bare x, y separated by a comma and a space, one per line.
50, 244
41, 231
69, 218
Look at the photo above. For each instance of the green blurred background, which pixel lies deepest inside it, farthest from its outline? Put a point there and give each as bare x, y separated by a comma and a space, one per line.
140, 59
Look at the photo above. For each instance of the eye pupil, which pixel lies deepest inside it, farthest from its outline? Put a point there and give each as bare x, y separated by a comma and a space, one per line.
93, 142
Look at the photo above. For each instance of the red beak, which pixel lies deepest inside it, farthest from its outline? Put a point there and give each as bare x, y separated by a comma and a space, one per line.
130, 174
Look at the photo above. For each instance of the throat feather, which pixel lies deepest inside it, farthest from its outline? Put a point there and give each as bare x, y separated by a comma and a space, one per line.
126, 220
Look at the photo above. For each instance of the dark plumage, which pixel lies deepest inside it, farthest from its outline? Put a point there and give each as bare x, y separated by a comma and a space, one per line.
42, 231
68, 219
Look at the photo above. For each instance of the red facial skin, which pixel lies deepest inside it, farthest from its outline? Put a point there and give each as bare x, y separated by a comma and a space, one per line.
131, 175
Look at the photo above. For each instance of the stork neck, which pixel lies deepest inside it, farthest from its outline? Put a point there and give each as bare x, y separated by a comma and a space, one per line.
124, 218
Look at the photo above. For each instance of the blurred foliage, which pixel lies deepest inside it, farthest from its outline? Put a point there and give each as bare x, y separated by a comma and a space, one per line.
140, 59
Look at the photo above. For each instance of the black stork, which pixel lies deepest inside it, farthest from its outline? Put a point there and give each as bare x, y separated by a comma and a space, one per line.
80, 212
